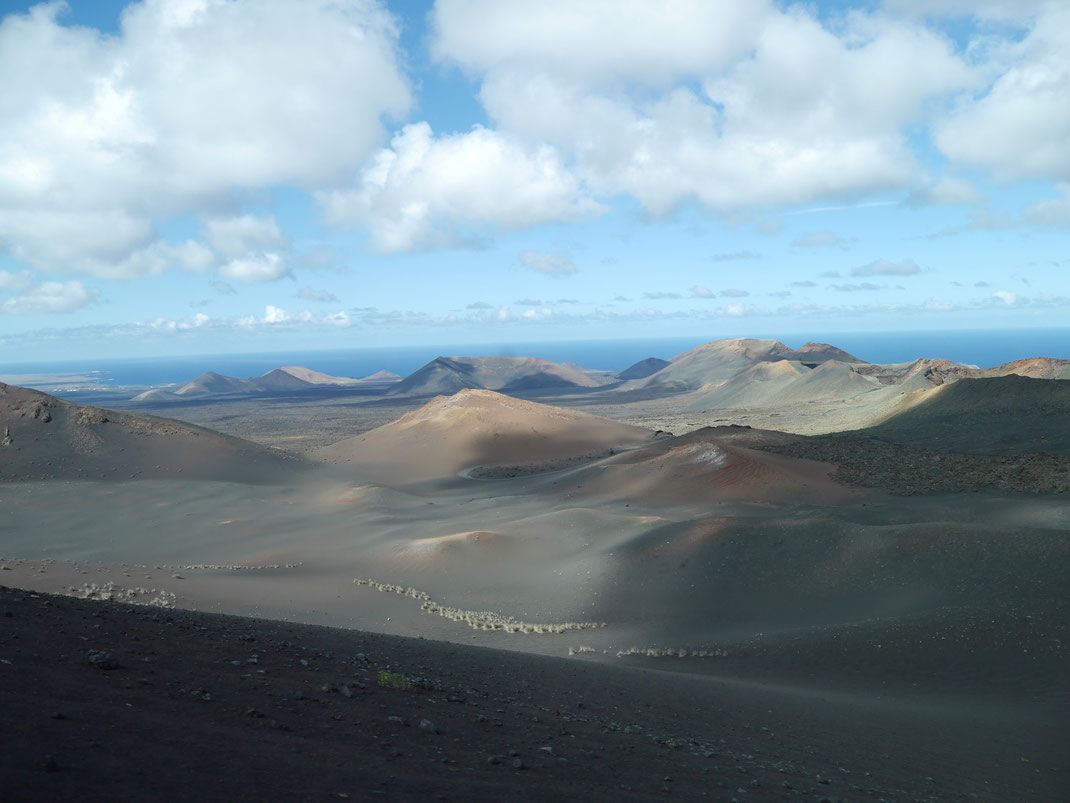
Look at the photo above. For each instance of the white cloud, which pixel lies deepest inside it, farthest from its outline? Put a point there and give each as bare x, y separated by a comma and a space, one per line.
233, 237
946, 191
275, 315
106, 136
1019, 128
733, 293
698, 291
1006, 297
426, 191
50, 297
15, 281
599, 41
553, 263
883, 267
787, 113
255, 268
537, 314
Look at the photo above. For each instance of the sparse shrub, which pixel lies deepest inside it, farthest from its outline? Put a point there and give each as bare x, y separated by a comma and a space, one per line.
393, 680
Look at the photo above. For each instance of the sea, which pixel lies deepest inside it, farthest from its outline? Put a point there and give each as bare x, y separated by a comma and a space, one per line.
983, 348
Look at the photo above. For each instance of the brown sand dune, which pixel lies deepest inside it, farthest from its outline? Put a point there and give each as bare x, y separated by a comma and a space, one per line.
48, 438
450, 374
473, 427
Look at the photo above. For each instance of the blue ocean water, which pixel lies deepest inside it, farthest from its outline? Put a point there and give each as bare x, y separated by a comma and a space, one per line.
984, 348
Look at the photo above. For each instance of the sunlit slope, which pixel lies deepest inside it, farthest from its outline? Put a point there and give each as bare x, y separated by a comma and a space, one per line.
472, 427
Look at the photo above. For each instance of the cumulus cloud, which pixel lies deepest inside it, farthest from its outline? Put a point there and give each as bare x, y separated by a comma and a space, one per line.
657, 295
698, 291
425, 191
233, 237
740, 104
553, 263
478, 305
1006, 297
883, 267
255, 268
528, 302
105, 136
945, 191
804, 283
733, 293
15, 281
50, 297
823, 239
1019, 127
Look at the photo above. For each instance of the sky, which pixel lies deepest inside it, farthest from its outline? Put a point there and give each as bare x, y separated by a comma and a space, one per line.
190, 176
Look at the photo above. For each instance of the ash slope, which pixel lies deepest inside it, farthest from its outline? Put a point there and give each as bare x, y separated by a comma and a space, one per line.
499, 726
474, 427
48, 438
1002, 415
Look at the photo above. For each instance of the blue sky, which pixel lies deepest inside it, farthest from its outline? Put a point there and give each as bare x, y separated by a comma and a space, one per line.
186, 176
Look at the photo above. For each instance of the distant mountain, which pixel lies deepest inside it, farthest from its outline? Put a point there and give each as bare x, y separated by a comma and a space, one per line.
822, 352
715, 362
290, 379
47, 438
280, 379
445, 375
643, 368
722, 360
1034, 367
211, 382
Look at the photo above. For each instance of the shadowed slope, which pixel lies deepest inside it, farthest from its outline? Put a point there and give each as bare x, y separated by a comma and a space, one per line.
45, 437
451, 433
998, 415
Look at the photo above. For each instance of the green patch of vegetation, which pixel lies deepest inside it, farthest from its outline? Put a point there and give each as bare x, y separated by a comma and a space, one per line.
393, 680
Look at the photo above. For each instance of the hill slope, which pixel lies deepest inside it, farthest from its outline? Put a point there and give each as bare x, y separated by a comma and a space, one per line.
994, 415
472, 427
48, 438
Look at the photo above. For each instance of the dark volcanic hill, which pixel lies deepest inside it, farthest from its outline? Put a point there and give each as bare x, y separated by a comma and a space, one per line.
997, 415
211, 382
445, 375
48, 438
643, 368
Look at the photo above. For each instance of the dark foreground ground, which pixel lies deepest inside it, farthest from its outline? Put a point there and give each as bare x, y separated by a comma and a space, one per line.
103, 701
